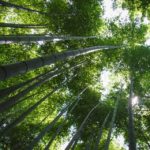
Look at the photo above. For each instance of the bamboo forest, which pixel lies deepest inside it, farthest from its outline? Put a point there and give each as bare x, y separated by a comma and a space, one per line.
75, 74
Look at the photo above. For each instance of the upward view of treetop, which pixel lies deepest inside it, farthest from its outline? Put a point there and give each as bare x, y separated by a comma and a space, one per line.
74, 75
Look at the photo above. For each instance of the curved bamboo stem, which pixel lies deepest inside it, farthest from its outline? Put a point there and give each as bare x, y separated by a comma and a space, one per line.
12, 25
80, 128
11, 70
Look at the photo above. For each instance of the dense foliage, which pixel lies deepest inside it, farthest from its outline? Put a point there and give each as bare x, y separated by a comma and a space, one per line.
30, 102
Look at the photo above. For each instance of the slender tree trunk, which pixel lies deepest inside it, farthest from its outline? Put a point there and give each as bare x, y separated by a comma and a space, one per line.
80, 128
7, 4
131, 130
36, 126
16, 99
54, 136
101, 132
12, 25
29, 110
9, 90
45, 130
111, 126
75, 143
61, 126
11, 70
37, 37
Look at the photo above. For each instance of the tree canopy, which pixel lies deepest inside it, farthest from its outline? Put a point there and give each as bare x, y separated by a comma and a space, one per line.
74, 74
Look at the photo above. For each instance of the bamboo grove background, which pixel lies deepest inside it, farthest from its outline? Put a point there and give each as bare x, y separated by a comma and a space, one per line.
53, 56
